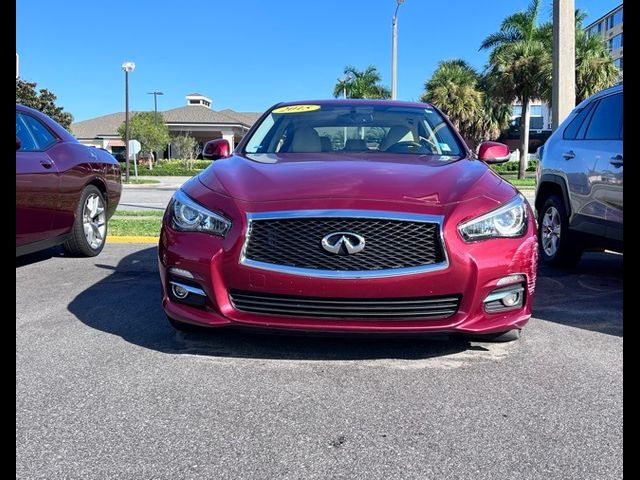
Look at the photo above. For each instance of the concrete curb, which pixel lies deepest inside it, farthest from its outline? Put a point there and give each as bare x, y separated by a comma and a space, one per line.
132, 239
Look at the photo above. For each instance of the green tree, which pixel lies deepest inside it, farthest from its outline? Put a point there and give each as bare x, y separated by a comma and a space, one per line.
468, 99
153, 137
595, 69
453, 88
44, 101
495, 113
184, 147
361, 84
520, 60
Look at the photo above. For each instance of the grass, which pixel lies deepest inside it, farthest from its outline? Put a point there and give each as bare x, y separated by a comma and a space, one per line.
139, 213
139, 181
525, 182
121, 227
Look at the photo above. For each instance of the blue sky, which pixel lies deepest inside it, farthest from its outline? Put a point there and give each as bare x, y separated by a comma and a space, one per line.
244, 54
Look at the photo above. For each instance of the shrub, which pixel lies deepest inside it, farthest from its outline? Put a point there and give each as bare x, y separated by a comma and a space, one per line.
173, 167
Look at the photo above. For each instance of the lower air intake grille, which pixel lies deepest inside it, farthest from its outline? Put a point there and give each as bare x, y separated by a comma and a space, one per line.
363, 308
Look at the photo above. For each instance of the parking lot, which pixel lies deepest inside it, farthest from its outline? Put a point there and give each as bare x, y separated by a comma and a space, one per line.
105, 388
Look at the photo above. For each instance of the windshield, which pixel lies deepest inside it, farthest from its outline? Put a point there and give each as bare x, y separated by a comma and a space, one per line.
346, 129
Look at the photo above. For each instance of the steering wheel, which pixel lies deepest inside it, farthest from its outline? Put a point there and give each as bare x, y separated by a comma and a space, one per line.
406, 147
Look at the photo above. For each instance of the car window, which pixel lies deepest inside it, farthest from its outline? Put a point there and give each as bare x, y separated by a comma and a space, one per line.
345, 129
571, 132
23, 133
43, 137
606, 123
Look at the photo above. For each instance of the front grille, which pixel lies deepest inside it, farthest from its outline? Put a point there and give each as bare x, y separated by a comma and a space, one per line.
389, 243
361, 308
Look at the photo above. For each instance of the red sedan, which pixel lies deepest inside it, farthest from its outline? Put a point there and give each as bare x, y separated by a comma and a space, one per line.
351, 216
65, 191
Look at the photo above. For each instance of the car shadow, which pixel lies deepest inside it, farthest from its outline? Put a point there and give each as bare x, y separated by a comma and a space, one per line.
588, 296
127, 303
40, 256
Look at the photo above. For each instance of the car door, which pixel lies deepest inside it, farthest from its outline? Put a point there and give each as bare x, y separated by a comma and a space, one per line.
575, 160
603, 142
37, 182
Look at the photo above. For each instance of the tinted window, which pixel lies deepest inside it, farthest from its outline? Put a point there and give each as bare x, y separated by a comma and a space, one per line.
43, 137
570, 133
23, 133
606, 123
344, 129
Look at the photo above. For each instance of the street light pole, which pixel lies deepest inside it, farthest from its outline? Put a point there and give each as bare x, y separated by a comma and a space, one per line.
155, 104
344, 82
394, 51
127, 67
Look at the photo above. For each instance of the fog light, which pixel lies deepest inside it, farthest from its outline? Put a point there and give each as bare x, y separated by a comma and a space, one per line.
179, 291
511, 299
505, 298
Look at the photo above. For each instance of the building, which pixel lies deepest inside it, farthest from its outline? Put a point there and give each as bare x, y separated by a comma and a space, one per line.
196, 119
539, 114
609, 26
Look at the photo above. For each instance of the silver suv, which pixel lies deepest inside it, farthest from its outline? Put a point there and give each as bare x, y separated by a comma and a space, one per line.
579, 192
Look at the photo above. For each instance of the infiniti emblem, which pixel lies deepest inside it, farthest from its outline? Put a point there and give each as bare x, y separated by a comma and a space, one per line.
343, 243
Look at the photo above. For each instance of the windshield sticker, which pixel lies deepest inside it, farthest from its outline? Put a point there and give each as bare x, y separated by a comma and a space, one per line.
296, 109
444, 147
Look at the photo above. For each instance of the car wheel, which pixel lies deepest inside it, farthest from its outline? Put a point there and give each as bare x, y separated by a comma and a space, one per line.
185, 327
90, 227
556, 245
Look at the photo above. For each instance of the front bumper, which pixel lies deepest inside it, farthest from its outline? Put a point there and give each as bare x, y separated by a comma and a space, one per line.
474, 272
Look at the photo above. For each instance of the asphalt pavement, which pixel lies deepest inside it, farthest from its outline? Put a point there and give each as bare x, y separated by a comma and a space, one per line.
105, 388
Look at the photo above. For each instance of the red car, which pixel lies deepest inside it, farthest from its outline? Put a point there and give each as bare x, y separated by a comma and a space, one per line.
351, 216
65, 191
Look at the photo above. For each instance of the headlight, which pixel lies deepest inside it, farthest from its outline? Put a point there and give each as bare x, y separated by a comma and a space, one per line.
509, 220
189, 216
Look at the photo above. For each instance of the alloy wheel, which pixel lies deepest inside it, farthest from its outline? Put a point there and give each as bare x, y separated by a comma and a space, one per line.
550, 231
94, 220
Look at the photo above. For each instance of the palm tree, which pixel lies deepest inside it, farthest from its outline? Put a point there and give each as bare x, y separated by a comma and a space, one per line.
595, 69
521, 61
495, 113
453, 88
468, 99
362, 84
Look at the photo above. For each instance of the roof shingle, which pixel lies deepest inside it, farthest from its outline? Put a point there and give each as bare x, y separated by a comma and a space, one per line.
107, 125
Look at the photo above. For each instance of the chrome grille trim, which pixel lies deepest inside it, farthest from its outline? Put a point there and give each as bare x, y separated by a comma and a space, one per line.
344, 274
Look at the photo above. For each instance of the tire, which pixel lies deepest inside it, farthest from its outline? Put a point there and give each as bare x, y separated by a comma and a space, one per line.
557, 248
91, 213
508, 336
185, 327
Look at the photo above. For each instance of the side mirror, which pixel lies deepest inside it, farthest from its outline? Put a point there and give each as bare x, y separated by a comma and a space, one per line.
493, 152
215, 149
18, 143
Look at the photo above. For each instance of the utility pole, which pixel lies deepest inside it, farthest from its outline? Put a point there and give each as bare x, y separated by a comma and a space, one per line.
563, 95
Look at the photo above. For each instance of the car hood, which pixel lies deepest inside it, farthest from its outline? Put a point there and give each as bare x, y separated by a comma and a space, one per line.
425, 179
